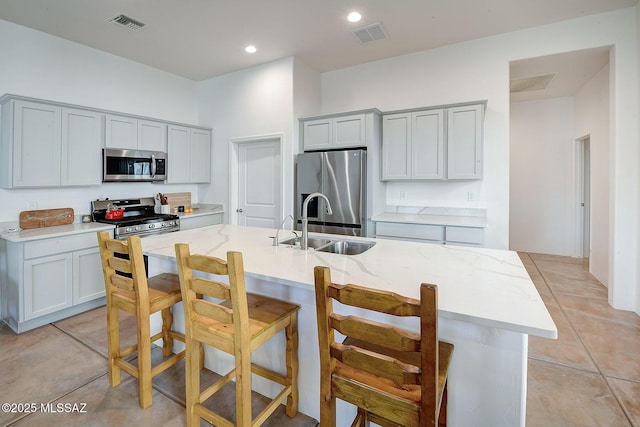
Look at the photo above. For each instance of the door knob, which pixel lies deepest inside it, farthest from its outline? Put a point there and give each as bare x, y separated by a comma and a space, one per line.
239, 210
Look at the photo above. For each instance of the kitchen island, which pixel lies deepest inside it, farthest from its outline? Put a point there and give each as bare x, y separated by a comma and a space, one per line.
488, 306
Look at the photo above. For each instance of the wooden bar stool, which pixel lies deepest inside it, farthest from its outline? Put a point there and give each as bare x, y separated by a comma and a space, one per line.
237, 325
141, 297
394, 377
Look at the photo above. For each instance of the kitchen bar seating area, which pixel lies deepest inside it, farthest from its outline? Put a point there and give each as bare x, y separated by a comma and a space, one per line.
238, 324
567, 381
128, 289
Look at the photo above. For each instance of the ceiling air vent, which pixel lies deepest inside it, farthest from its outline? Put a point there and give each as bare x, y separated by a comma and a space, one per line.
528, 84
370, 33
126, 22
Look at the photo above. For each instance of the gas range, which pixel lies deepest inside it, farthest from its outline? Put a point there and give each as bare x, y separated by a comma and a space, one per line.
138, 217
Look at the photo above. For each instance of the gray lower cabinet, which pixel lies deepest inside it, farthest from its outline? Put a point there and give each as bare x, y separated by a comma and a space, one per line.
189, 222
50, 279
441, 234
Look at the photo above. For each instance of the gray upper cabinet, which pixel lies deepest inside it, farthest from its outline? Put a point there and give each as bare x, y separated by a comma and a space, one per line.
334, 132
46, 145
464, 142
413, 145
433, 144
189, 155
81, 140
135, 134
49, 144
121, 132
396, 146
152, 136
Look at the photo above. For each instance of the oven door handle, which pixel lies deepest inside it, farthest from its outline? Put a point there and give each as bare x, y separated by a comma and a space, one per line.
153, 166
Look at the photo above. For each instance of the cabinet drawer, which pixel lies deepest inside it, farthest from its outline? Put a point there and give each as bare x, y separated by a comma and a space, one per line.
412, 231
465, 235
59, 245
200, 221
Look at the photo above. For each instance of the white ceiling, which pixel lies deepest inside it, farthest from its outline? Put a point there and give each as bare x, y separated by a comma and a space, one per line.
201, 39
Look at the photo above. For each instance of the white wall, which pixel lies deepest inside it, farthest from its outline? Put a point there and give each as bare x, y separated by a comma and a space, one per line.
591, 117
245, 104
38, 65
479, 69
306, 95
543, 193
542, 176
459, 73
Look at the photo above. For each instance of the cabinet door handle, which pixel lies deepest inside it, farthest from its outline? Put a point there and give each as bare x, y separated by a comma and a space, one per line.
239, 210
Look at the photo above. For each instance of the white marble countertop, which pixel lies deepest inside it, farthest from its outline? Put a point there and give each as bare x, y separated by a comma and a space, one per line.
452, 220
10, 231
50, 232
201, 209
488, 287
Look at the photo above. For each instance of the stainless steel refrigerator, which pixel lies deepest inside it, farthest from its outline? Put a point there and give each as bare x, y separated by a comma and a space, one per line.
342, 177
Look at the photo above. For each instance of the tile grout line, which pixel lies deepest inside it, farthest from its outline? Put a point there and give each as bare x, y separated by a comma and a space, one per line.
69, 334
155, 387
600, 373
544, 279
58, 397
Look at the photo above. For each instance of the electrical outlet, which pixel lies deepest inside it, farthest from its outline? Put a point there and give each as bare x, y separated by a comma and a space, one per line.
32, 206
403, 195
471, 196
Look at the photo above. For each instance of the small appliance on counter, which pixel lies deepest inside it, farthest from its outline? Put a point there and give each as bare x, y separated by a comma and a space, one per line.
133, 217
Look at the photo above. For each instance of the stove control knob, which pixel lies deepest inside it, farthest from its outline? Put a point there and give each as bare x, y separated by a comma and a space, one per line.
152, 225
138, 228
128, 229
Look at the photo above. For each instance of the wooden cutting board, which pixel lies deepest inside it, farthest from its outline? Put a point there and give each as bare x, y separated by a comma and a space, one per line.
45, 218
179, 199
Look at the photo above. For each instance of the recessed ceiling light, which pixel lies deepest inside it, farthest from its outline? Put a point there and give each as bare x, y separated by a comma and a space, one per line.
354, 17
250, 49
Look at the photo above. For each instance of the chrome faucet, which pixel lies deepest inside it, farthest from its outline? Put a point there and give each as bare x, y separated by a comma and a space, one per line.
305, 220
275, 239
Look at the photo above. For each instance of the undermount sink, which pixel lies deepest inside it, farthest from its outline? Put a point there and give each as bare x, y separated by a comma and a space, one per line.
346, 247
341, 247
312, 242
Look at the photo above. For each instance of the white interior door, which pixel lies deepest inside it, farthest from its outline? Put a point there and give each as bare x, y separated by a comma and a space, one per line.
583, 211
586, 199
259, 183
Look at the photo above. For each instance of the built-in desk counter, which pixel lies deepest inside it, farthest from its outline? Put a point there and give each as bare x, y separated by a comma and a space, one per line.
457, 226
488, 306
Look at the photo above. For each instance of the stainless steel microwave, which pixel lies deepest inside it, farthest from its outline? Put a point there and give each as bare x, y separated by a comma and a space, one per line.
133, 165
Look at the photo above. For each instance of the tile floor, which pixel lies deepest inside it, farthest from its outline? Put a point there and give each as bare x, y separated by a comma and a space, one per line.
590, 376
65, 363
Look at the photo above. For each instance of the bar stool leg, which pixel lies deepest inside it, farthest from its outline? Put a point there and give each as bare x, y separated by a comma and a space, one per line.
167, 339
113, 344
192, 380
144, 362
243, 387
291, 333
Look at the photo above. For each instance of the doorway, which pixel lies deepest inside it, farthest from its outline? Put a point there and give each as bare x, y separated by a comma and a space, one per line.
583, 191
256, 181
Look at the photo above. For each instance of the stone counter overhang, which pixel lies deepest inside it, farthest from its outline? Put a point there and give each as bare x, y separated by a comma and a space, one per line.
486, 287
